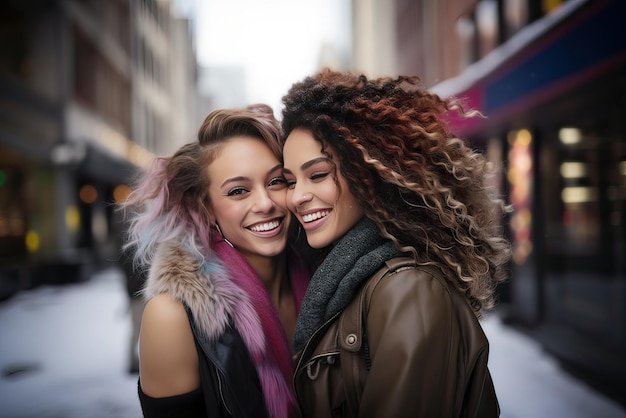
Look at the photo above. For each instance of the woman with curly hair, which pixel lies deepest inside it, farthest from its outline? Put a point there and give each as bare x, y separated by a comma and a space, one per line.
223, 290
413, 247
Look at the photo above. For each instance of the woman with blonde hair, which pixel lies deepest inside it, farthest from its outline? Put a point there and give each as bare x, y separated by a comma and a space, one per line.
223, 291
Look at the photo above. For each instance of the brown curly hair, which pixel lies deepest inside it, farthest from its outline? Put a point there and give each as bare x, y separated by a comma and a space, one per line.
424, 188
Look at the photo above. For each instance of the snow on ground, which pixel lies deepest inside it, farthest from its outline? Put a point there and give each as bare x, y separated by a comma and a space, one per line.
63, 355
530, 383
70, 342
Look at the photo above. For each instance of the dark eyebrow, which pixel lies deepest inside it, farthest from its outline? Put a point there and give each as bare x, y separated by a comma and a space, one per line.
278, 167
234, 180
309, 164
242, 178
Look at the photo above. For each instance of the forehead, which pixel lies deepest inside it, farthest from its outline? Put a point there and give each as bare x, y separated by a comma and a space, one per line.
301, 144
242, 156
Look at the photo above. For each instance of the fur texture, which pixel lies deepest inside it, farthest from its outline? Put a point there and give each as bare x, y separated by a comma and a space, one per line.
214, 297
201, 285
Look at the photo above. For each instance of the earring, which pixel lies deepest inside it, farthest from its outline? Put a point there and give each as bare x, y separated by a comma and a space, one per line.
222, 235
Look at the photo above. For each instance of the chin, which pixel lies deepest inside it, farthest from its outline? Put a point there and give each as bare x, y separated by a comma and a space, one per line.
318, 242
272, 251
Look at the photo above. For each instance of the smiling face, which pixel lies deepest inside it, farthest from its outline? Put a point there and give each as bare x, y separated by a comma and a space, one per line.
247, 194
325, 210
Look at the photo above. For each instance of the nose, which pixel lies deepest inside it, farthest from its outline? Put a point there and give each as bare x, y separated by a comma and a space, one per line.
264, 202
299, 196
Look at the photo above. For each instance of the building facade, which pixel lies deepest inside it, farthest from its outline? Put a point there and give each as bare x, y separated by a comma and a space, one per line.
85, 102
549, 77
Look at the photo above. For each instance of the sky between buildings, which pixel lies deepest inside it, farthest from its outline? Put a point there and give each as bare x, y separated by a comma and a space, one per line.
278, 42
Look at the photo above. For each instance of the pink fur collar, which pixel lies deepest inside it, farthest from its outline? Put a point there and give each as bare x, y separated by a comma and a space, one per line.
214, 295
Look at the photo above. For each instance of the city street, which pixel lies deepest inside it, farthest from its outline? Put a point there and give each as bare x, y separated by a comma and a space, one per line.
63, 355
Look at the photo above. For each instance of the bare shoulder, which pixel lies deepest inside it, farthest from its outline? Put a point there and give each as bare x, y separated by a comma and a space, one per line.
163, 310
168, 356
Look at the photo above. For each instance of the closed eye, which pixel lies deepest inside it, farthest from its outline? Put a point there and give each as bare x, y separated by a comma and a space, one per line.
290, 180
319, 176
277, 181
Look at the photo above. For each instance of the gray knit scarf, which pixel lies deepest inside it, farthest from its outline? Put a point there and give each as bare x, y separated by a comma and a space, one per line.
357, 255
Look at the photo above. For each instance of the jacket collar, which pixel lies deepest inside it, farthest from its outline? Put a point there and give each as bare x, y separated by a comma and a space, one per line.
355, 257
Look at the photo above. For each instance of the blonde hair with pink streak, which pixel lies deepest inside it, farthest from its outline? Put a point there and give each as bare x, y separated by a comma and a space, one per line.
170, 200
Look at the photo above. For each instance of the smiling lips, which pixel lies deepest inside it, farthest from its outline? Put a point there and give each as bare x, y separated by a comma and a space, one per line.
265, 226
310, 217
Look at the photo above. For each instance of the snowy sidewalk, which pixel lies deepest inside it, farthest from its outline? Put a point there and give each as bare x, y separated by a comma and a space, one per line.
63, 355
72, 342
530, 383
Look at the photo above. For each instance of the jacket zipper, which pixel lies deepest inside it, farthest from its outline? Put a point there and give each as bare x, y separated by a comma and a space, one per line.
221, 391
317, 360
306, 347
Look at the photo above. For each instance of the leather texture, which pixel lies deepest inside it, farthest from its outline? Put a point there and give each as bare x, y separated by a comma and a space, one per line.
227, 371
406, 346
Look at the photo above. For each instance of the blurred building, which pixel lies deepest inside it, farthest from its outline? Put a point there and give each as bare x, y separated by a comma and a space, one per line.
220, 87
90, 90
550, 77
374, 37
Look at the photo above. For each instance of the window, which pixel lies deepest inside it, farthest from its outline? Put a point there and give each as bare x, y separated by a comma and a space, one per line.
466, 32
515, 16
487, 23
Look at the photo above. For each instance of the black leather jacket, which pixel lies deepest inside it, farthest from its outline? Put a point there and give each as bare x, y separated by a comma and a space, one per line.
227, 373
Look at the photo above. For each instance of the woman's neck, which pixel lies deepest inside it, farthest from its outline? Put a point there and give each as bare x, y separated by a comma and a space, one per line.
273, 273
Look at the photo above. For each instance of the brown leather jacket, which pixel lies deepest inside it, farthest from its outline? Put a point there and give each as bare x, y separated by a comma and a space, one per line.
406, 346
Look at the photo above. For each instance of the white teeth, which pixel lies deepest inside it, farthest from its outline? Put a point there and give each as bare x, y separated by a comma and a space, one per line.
265, 227
314, 216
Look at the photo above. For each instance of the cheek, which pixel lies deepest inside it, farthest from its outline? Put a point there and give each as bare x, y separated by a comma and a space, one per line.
289, 200
279, 197
223, 214
226, 211
329, 192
